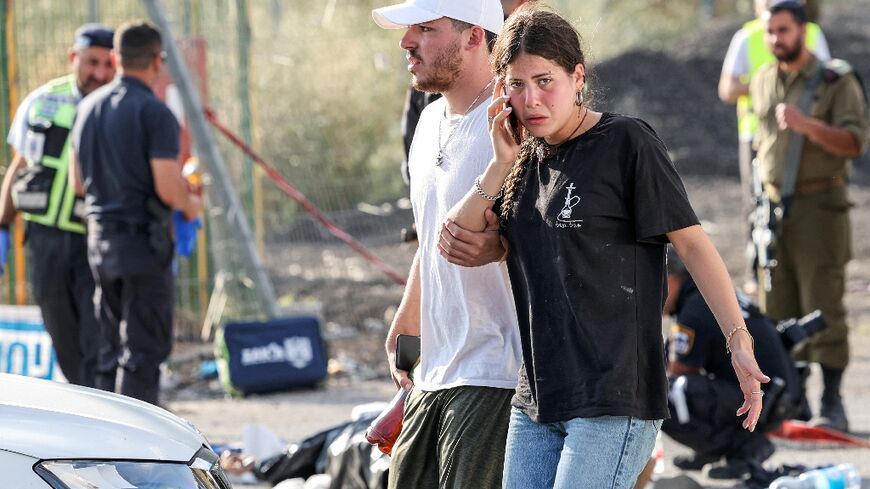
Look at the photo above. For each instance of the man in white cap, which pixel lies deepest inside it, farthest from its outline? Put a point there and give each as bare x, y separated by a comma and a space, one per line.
456, 415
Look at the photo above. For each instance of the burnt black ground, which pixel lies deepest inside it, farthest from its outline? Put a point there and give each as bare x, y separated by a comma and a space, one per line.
675, 90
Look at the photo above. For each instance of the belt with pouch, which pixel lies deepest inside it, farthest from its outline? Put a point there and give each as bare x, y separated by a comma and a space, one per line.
810, 186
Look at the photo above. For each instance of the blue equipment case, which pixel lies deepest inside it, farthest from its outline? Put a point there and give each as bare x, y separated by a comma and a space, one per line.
258, 357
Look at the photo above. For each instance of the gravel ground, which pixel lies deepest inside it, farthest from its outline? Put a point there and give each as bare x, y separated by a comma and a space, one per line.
360, 373
676, 92
295, 415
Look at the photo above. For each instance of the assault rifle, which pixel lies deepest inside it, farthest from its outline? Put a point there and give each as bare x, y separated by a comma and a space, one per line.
766, 221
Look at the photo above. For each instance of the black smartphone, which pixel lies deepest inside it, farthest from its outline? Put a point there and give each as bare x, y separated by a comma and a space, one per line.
513, 122
407, 352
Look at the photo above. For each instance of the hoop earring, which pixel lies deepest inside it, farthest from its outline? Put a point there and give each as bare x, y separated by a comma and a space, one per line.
578, 99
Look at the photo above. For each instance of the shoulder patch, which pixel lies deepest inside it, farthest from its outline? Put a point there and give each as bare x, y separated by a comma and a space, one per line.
682, 339
836, 68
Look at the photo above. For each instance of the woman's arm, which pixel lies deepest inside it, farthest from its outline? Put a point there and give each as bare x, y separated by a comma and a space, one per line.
707, 269
469, 212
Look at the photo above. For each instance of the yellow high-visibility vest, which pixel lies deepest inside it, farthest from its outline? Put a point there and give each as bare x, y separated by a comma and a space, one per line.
52, 115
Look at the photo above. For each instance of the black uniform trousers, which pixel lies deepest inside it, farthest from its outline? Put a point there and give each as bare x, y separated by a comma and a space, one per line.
713, 428
63, 287
134, 298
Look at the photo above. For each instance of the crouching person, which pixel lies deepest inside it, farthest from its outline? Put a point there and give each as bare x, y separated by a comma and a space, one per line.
704, 389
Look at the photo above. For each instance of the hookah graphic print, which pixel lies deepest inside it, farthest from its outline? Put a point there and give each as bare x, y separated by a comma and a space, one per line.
566, 219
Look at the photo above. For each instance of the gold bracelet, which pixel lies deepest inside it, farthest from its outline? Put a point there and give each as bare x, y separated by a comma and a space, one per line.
728, 339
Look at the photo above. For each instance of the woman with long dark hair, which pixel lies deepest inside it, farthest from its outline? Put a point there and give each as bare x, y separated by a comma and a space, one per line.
588, 202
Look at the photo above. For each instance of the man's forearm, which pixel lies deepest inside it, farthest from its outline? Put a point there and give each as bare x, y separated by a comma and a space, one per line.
407, 319
74, 175
7, 208
835, 140
731, 88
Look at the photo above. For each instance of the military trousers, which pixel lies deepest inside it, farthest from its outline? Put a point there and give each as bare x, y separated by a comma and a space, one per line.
812, 253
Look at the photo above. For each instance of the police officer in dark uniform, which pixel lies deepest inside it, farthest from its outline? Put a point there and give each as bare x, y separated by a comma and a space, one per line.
704, 387
127, 145
36, 185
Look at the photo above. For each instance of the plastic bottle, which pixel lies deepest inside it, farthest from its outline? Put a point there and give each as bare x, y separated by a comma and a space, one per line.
385, 429
843, 476
191, 172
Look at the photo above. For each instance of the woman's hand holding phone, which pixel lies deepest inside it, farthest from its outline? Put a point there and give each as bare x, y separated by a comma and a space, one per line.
503, 126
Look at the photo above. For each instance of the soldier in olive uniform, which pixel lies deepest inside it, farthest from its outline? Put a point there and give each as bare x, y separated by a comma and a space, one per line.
814, 241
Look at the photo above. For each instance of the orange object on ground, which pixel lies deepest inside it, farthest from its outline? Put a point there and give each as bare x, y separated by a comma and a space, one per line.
804, 432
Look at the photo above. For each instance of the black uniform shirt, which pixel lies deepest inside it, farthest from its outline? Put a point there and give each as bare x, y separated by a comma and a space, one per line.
119, 129
587, 257
697, 341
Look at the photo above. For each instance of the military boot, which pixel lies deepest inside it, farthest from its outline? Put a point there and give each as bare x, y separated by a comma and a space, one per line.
833, 414
802, 410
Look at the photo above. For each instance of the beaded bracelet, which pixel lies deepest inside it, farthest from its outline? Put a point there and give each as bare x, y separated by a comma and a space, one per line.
728, 339
482, 193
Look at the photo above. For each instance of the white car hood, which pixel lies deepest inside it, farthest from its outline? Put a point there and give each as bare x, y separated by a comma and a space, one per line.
50, 420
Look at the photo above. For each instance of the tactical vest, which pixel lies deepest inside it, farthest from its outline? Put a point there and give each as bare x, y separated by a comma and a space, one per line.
42, 191
759, 54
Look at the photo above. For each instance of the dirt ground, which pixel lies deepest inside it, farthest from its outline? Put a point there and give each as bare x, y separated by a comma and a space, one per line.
295, 415
676, 92
360, 372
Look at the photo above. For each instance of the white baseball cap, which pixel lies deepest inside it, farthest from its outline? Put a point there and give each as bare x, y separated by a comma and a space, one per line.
485, 13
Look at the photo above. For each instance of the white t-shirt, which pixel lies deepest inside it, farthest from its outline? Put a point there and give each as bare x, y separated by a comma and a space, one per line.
18, 129
468, 325
736, 61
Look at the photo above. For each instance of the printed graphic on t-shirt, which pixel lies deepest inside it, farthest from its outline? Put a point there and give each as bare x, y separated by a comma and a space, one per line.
566, 218
682, 339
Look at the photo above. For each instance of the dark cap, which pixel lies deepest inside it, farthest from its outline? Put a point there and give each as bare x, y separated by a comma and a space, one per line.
93, 35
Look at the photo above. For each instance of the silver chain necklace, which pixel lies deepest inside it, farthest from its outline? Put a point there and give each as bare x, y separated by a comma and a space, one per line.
440, 158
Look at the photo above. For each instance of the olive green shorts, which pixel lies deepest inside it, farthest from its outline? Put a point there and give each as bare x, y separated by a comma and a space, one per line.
452, 439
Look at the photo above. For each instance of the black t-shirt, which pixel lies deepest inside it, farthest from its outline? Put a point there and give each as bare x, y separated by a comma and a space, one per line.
119, 129
587, 267
697, 341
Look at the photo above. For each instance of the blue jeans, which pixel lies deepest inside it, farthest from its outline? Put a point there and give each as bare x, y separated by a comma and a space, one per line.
600, 453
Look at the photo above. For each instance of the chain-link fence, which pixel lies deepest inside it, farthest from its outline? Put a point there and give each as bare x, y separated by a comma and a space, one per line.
310, 84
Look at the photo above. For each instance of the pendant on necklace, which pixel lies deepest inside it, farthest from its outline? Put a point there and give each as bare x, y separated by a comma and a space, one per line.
439, 159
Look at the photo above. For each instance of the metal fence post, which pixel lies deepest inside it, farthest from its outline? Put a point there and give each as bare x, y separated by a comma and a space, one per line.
93, 10
221, 190
243, 91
